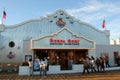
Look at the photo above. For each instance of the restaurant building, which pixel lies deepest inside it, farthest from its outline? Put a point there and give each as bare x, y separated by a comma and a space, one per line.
59, 37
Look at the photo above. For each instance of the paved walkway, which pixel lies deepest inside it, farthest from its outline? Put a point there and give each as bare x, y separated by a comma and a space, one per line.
107, 75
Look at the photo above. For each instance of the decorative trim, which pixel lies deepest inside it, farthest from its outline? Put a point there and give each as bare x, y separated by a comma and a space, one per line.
60, 22
11, 55
53, 14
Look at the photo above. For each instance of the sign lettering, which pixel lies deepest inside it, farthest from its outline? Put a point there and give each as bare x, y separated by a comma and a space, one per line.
64, 42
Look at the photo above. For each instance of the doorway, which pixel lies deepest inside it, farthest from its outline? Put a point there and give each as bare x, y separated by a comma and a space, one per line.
65, 58
115, 57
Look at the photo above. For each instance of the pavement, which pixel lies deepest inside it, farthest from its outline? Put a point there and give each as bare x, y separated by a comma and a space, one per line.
112, 73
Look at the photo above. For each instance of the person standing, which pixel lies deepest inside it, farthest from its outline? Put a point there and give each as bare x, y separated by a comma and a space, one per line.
36, 64
92, 65
85, 66
46, 65
102, 67
107, 62
70, 62
97, 64
30, 67
41, 66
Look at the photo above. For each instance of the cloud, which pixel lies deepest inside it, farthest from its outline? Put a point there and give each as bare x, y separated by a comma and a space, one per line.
95, 8
94, 11
89, 13
113, 25
87, 8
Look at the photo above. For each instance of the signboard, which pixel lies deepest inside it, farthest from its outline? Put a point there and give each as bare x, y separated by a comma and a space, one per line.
64, 42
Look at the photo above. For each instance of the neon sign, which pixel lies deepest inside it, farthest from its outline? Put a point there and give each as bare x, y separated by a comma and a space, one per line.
64, 42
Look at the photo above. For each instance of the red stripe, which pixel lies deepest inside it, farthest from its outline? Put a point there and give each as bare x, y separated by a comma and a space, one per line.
103, 24
4, 15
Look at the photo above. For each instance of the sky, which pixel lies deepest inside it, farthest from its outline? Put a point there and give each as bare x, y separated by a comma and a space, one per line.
89, 11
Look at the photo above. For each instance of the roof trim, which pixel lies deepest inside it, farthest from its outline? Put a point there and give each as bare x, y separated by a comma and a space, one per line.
47, 17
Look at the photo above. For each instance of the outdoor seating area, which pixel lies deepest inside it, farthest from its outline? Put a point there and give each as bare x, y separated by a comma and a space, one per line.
9, 67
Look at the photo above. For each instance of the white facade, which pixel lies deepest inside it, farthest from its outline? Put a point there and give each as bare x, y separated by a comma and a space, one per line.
36, 34
111, 50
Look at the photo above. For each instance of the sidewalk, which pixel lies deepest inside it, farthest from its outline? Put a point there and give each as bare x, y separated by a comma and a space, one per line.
108, 75
112, 73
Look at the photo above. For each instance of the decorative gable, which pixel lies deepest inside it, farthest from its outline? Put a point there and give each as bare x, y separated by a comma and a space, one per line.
63, 39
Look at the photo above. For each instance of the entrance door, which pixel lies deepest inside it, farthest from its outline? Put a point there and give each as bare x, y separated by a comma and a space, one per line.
63, 54
115, 57
65, 58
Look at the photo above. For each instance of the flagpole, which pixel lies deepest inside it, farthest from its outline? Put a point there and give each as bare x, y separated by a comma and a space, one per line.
2, 15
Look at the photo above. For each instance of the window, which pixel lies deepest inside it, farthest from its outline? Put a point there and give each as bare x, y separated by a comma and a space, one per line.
11, 44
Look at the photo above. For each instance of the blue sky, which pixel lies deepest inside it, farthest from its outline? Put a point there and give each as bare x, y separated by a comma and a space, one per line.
89, 11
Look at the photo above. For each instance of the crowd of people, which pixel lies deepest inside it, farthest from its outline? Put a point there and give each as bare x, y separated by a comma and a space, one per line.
89, 64
97, 65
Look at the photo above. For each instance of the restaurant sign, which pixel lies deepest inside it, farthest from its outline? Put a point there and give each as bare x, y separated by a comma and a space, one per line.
64, 42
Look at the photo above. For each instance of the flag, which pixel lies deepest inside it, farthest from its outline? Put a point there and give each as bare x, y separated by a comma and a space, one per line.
4, 15
103, 24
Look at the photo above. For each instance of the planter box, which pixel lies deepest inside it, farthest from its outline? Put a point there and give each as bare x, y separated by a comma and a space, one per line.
24, 70
78, 67
53, 69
